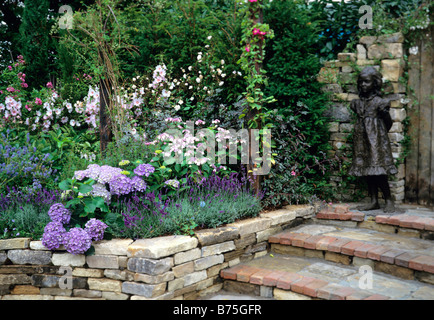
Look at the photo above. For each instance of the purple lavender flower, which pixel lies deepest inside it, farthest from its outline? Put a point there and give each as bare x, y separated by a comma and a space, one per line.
77, 241
59, 213
53, 235
120, 185
138, 184
95, 228
144, 170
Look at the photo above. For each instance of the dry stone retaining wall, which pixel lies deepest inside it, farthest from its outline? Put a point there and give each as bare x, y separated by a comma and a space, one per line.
171, 267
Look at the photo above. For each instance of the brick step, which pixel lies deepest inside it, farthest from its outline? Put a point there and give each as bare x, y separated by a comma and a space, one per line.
406, 257
414, 223
288, 277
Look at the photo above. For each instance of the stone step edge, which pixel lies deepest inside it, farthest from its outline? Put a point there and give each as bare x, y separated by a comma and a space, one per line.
291, 281
357, 248
400, 220
407, 221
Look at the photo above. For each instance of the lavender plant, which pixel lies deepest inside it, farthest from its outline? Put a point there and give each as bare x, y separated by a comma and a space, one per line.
211, 202
21, 164
23, 212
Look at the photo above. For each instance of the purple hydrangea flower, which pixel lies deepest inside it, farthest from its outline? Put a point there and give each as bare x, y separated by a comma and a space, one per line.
95, 228
101, 174
77, 241
59, 213
138, 184
99, 190
53, 235
144, 170
120, 185
174, 183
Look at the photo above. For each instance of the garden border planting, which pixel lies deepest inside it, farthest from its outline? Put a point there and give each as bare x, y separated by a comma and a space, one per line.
163, 268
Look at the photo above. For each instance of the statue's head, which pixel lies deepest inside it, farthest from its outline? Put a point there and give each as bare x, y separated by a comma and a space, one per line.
369, 82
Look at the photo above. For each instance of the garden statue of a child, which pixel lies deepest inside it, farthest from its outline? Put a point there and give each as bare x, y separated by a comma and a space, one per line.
372, 155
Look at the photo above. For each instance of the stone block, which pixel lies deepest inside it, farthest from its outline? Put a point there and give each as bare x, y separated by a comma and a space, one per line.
207, 262
194, 277
183, 269
165, 277
244, 241
368, 40
51, 281
102, 262
83, 293
29, 257
251, 225
3, 257
123, 275
155, 248
25, 289
280, 294
108, 295
265, 234
87, 273
397, 37
104, 284
385, 51
117, 247
68, 259
208, 237
8, 279
361, 52
150, 266
56, 292
398, 115
217, 248
392, 69
182, 257
350, 57
16, 243
280, 216
146, 290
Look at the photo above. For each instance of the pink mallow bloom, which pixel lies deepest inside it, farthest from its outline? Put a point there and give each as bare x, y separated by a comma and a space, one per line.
248, 48
10, 89
253, 0
38, 101
50, 85
293, 173
256, 31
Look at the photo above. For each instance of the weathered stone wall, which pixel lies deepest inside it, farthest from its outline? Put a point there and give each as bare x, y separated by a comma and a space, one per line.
171, 267
386, 54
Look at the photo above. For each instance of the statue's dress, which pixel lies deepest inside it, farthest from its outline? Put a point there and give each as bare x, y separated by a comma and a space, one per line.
372, 154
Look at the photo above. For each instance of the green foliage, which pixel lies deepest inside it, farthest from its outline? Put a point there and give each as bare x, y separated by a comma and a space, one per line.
24, 220
300, 128
35, 42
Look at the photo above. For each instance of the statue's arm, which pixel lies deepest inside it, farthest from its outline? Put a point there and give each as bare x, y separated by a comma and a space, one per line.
383, 111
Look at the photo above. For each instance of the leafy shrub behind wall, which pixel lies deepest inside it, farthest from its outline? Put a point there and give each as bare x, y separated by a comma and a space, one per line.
300, 131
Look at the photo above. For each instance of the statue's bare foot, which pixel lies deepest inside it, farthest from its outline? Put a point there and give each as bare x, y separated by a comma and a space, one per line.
368, 207
390, 206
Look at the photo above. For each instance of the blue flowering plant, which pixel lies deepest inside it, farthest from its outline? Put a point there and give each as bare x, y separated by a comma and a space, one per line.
21, 164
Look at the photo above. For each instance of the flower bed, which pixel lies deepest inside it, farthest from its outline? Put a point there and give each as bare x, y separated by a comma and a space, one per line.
169, 267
